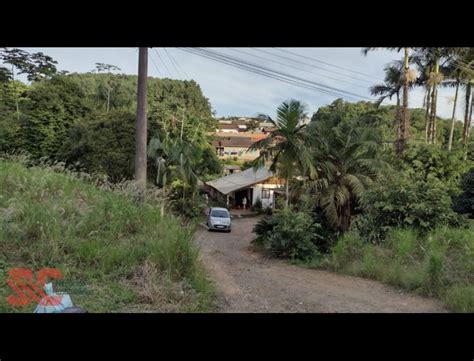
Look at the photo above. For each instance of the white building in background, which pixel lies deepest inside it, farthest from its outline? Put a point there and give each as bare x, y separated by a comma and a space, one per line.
251, 184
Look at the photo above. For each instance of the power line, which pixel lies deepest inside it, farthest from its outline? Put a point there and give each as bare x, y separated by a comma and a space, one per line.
156, 66
280, 73
301, 69
315, 66
329, 64
177, 64
461, 64
172, 63
159, 57
275, 74
263, 72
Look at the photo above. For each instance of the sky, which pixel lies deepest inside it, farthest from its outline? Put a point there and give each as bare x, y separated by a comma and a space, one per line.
237, 92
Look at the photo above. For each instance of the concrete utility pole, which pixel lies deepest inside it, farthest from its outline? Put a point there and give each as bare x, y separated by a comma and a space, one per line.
141, 124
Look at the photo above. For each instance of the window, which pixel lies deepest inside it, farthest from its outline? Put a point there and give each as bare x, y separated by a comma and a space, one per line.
219, 213
265, 193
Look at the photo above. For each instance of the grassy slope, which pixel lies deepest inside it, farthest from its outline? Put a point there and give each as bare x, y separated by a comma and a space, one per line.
439, 265
120, 256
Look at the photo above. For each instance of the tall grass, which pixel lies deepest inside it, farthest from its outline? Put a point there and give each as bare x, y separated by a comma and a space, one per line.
439, 265
98, 237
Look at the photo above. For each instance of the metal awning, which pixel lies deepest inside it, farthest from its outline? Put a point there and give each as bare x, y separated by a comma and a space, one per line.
236, 181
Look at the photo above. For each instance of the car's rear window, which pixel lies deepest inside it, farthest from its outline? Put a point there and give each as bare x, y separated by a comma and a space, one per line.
219, 214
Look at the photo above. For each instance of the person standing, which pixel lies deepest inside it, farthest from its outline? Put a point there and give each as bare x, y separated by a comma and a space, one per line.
244, 202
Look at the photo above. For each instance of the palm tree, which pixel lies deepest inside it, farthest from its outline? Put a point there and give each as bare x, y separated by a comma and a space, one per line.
285, 148
174, 158
434, 64
346, 163
392, 85
455, 73
466, 63
408, 77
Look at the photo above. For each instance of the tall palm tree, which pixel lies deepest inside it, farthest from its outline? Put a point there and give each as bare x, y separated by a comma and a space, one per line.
285, 148
466, 63
408, 77
346, 163
454, 73
434, 64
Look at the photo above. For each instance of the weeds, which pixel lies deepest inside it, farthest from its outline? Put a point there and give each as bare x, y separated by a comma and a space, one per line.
441, 264
95, 234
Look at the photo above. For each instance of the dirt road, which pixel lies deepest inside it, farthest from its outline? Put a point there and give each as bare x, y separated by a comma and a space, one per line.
246, 281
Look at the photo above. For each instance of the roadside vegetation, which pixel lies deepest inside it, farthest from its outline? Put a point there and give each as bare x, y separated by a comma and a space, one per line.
119, 256
380, 191
384, 192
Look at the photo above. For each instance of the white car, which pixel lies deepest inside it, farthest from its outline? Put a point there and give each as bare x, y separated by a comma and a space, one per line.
219, 219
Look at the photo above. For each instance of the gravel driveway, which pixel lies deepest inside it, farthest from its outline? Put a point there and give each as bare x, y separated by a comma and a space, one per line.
247, 281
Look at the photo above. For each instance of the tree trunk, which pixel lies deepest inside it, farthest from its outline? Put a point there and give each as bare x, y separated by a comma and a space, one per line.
453, 118
16, 94
398, 116
184, 196
432, 115
466, 114
427, 114
108, 99
287, 192
141, 124
470, 121
404, 122
182, 127
345, 217
432, 138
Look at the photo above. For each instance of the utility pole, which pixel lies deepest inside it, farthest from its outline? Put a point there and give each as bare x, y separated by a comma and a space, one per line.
141, 125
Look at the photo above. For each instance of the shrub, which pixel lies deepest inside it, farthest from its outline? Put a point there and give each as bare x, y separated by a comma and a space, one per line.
403, 201
263, 229
257, 206
464, 203
289, 234
425, 160
185, 201
268, 211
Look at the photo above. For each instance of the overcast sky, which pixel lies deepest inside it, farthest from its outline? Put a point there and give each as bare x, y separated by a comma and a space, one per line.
233, 91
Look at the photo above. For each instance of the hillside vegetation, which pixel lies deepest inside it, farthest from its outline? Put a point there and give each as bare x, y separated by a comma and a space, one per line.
120, 257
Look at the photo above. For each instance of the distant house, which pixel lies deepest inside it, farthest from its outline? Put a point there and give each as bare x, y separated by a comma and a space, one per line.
253, 185
227, 128
234, 146
266, 130
229, 169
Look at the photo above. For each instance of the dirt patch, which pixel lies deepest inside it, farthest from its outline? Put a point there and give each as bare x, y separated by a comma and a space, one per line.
249, 282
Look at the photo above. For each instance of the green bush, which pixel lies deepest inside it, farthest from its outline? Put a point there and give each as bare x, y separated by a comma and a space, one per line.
257, 206
464, 203
263, 229
399, 201
185, 201
289, 234
427, 160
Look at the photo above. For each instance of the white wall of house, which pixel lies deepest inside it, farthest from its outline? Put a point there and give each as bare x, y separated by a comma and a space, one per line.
257, 192
227, 131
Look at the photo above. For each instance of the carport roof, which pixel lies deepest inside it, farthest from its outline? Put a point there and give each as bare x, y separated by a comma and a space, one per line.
236, 181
